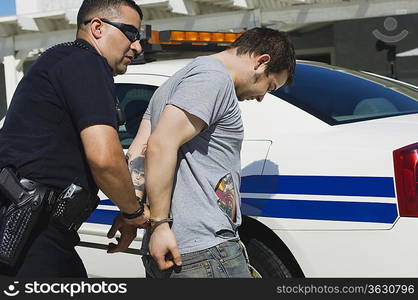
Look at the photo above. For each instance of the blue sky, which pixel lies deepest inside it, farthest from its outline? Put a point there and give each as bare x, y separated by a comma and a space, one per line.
7, 8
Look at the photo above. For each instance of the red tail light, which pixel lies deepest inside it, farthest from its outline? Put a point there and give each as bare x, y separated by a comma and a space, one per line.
406, 178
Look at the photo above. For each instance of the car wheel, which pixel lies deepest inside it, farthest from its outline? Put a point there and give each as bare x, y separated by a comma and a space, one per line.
264, 262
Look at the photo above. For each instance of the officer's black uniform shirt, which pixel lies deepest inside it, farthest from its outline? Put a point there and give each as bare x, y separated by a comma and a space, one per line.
66, 90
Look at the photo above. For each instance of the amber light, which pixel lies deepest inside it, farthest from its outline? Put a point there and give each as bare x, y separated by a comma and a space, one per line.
192, 36
172, 36
231, 37
204, 36
177, 36
155, 39
218, 37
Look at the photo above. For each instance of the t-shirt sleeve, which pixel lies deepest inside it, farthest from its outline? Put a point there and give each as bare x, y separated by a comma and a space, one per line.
202, 94
147, 113
88, 90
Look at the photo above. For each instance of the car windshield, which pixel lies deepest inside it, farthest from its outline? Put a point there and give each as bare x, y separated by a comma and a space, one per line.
338, 96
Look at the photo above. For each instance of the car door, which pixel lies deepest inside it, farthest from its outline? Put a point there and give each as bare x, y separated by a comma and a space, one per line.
134, 92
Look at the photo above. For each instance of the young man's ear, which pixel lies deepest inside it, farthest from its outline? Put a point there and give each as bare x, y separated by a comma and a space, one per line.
261, 60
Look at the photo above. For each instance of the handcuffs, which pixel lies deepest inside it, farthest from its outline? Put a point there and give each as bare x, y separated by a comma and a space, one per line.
153, 223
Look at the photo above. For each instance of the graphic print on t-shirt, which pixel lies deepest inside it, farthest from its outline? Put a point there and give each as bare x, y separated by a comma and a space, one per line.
226, 195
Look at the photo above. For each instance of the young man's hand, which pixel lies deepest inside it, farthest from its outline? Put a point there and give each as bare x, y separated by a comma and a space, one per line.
163, 247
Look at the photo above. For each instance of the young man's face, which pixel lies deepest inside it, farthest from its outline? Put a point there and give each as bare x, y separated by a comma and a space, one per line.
118, 50
261, 83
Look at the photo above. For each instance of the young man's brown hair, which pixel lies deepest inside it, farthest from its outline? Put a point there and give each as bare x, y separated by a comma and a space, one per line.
275, 43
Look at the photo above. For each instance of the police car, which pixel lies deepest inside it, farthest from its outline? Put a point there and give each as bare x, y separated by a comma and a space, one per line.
329, 176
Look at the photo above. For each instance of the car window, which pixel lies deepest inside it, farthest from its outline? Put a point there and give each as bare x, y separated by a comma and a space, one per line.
133, 99
342, 96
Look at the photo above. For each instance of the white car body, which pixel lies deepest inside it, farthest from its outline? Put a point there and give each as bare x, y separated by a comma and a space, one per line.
335, 209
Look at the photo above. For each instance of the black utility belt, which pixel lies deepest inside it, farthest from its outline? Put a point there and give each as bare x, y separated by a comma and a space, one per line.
24, 202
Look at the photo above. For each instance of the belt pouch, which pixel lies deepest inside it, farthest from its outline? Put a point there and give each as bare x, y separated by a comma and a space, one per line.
74, 206
19, 216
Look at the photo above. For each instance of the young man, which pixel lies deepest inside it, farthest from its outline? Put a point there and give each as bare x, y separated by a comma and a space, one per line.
61, 129
192, 134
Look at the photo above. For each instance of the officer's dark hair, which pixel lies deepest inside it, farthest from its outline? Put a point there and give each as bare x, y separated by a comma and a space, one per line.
260, 41
103, 8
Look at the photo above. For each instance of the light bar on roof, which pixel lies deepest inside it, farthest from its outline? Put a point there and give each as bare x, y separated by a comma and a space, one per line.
175, 36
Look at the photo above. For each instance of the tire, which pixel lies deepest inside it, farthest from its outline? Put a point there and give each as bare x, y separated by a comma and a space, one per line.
265, 262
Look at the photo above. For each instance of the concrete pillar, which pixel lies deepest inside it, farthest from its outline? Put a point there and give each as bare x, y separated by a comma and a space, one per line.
12, 76
3, 103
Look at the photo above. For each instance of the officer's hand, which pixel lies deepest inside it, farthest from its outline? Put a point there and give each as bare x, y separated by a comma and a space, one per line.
127, 234
163, 247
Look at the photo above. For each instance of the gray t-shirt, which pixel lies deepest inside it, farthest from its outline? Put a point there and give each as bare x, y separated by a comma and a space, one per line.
205, 89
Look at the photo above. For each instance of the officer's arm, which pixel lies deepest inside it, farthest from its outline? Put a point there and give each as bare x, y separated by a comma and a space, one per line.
136, 157
175, 127
108, 166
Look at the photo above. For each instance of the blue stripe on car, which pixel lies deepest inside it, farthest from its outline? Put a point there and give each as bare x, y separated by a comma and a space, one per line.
100, 216
306, 209
107, 202
319, 185
320, 210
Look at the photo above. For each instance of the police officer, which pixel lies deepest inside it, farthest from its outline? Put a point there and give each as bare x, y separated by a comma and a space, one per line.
61, 129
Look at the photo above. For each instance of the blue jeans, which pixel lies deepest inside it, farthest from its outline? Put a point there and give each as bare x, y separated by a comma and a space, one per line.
226, 260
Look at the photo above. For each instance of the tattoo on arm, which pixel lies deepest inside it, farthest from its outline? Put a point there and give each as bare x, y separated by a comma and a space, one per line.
138, 180
137, 169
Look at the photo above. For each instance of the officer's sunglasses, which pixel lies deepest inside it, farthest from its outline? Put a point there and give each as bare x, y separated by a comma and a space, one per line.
129, 31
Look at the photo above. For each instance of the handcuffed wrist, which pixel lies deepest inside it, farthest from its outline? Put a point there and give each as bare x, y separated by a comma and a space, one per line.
158, 221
